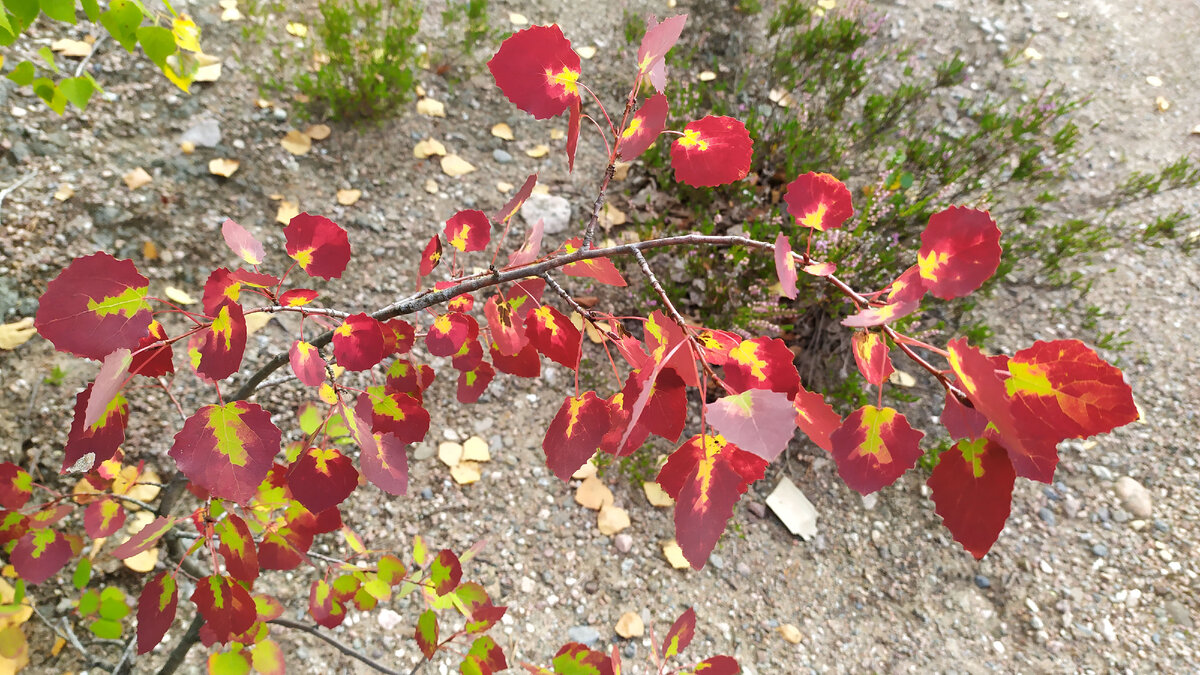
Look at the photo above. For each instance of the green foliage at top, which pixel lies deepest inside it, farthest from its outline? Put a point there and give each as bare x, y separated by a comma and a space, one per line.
172, 46
831, 93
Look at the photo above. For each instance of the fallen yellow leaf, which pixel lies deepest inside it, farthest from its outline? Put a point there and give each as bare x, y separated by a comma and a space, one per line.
149, 250
348, 197
231, 14
431, 186
517, 19
541, 189
593, 494
209, 69
586, 52
557, 134
318, 132
142, 562
502, 130
538, 151
455, 166
431, 108
902, 379
656, 495
223, 167
179, 296
504, 188
790, 633
1154, 81
255, 321
296, 142
621, 170
72, 48
136, 178
1162, 103
64, 192
17, 333
612, 519
297, 29
586, 471
466, 473
450, 453
630, 625
187, 147
611, 216
707, 76
475, 449
429, 148
674, 555
287, 211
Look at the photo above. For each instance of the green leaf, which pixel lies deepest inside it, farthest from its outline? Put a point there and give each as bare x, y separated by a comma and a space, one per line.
48, 57
89, 603
25, 10
83, 574
228, 663
4, 24
112, 604
121, 21
22, 74
158, 43
106, 628
60, 10
78, 90
45, 89
92, 9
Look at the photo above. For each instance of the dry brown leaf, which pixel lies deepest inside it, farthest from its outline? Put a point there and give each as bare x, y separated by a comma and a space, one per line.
72, 48
503, 131
136, 178
466, 473
298, 29
504, 188
455, 166
178, 296
541, 190
142, 562
674, 555
538, 151
612, 519
17, 333
611, 216
209, 69
64, 192
149, 250
557, 134
630, 625
475, 449
318, 132
450, 453
517, 19
287, 210
656, 495
593, 494
431, 108
707, 76
790, 633
621, 170
223, 167
262, 103
296, 142
348, 197
431, 186
428, 148
586, 52
187, 147
586, 471
902, 379
255, 321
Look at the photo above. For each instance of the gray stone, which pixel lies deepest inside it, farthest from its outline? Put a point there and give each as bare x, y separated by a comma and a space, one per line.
716, 561
552, 210
982, 581
205, 132
20, 151
585, 635
424, 451
502, 156
1046, 515
623, 542
1179, 613
1134, 497
427, 494
1100, 551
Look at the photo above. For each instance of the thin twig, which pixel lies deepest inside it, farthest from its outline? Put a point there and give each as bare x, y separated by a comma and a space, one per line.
127, 656
12, 188
69, 638
586, 313
190, 637
87, 59
348, 651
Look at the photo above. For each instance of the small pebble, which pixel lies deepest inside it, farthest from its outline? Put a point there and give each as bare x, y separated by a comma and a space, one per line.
982, 581
502, 156
623, 542
1046, 515
1100, 551
426, 494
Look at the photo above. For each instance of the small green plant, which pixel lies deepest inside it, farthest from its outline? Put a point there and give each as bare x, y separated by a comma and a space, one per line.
56, 377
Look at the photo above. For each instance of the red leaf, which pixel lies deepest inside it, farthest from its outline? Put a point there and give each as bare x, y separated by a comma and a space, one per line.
531, 248
816, 418
508, 331
390, 412
468, 357
94, 307
706, 479
554, 335
524, 295
513, 205
488, 653
445, 572
146, 538
13, 526
871, 355
449, 332
156, 611
107, 385
717, 345
89, 446
712, 151
874, 447
16, 486
154, 361
40, 554
643, 129
785, 267
537, 70
321, 478
220, 287
680, 636
307, 363
103, 517
972, 489
227, 449
1064, 385
358, 344
666, 340
237, 547
399, 335
472, 383
323, 605
224, 343
962, 422
383, 461
318, 245
227, 608
430, 257
717, 665
297, 297
600, 269
405, 378
575, 433
762, 363
960, 249
524, 364
241, 242
469, 230
1034, 455
657, 41
664, 412
881, 314
758, 421
908, 287
819, 201
573, 134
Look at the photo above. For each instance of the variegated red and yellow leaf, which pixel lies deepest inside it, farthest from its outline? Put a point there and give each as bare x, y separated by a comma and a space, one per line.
40, 553
321, 478
89, 446
554, 336
227, 449
297, 297
399, 335
430, 257
156, 611
240, 241
103, 518
16, 486
668, 345
153, 361
757, 420
525, 364
960, 249
712, 151
94, 307
972, 488
874, 447
512, 206
472, 383
575, 433
145, 538
816, 418
307, 363
645, 126
573, 122
680, 635
878, 315
394, 413
227, 608
599, 269
762, 363
324, 606
508, 331
318, 245
449, 332
658, 40
785, 267
871, 354
237, 548
224, 343
469, 230
358, 343
538, 71
818, 201
383, 460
